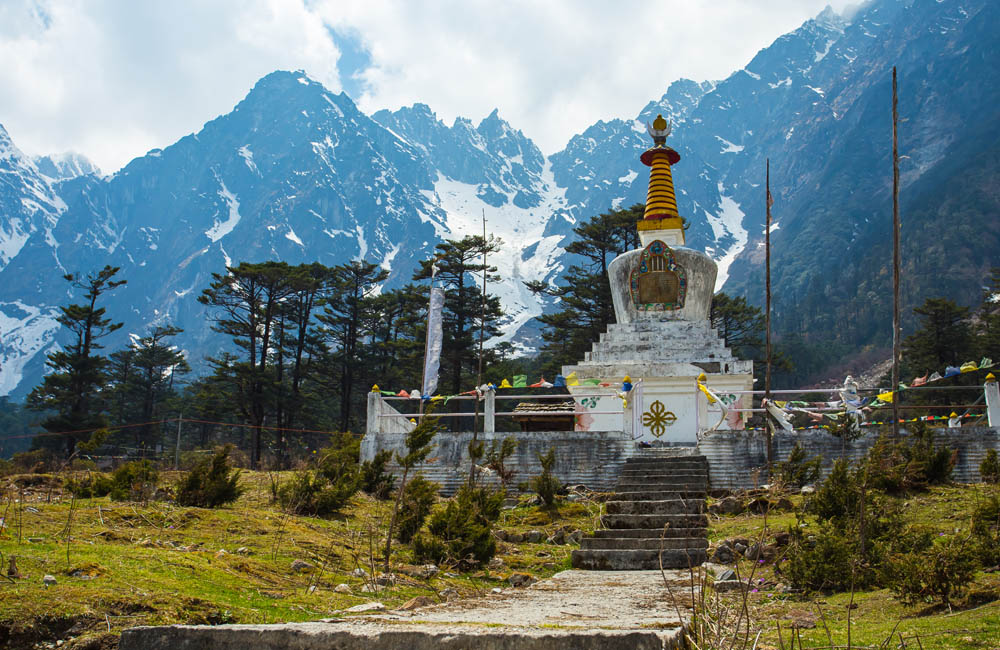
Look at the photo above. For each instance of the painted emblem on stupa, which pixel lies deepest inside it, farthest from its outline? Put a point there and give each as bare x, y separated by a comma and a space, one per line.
658, 282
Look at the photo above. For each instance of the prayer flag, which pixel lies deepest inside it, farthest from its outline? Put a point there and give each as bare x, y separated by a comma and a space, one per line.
520, 381
435, 341
505, 384
571, 379
886, 397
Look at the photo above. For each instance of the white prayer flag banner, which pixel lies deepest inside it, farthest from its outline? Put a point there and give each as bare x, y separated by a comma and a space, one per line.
435, 341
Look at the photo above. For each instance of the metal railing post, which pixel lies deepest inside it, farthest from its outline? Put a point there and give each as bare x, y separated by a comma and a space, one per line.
489, 412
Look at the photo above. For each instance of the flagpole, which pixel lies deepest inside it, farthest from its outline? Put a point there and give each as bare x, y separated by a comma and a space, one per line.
895, 260
479, 370
767, 315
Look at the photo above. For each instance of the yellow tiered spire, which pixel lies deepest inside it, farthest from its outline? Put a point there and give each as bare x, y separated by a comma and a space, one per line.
661, 203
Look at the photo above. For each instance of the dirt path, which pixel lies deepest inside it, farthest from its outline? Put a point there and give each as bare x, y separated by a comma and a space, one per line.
573, 609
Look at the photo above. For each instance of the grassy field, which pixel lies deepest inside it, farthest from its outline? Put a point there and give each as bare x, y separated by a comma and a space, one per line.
119, 565
974, 623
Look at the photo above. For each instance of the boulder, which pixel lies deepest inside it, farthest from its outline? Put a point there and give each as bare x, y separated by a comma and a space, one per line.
342, 588
518, 580
724, 554
359, 573
48, 580
807, 489
534, 536
301, 565
416, 603
366, 607
727, 506
782, 539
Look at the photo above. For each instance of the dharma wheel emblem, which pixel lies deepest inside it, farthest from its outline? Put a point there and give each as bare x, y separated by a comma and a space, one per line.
657, 418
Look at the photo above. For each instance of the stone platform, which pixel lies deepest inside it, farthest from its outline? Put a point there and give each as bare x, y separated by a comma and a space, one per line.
572, 610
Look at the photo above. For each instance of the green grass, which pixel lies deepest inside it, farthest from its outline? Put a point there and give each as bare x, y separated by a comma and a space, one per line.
158, 563
973, 624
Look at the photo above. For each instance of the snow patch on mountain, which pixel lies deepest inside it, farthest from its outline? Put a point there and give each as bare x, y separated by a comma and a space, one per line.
24, 331
729, 221
526, 252
222, 228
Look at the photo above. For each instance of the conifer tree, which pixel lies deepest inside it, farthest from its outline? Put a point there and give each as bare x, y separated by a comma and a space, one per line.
460, 266
73, 389
585, 300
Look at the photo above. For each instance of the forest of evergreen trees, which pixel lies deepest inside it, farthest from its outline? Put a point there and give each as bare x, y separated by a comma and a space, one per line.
308, 341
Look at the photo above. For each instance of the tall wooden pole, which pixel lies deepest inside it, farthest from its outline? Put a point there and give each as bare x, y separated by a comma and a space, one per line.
895, 260
767, 315
479, 370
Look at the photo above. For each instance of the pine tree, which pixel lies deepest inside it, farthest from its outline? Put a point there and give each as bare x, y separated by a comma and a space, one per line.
343, 318
944, 338
460, 265
142, 381
585, 300
73, 389
248, 299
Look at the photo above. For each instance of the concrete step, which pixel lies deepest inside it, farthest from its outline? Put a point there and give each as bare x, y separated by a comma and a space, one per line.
647, 456
655, 521
666, 465
658, 472
647, 533
664, 507
660, 496
647, 543
661, 486
637, 559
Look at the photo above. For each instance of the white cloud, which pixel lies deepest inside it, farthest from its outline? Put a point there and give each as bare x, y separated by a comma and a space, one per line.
112, 79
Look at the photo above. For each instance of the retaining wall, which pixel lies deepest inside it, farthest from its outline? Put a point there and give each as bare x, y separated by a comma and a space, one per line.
592, 458
738, 459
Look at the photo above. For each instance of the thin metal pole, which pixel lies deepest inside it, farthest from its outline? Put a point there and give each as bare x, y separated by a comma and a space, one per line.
895, 259
177, 447
479, 370
767, 313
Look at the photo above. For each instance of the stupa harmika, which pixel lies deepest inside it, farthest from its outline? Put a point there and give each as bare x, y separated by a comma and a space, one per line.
662, 295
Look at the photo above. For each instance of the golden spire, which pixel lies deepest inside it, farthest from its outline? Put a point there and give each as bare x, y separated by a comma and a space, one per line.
661, 203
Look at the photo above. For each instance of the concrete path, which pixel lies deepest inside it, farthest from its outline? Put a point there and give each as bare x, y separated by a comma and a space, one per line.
573, 609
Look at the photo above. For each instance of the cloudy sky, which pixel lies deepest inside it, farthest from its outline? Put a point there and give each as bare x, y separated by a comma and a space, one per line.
114, 78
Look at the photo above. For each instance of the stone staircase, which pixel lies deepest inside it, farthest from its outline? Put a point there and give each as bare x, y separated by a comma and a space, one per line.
654, 489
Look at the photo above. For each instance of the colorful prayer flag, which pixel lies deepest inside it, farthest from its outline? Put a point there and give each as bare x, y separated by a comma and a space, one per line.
520, 381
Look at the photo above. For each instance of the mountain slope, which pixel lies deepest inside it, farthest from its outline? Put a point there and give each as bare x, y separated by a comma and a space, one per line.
297, 173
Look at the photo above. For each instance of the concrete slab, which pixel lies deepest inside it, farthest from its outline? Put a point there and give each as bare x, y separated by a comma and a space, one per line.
573, 609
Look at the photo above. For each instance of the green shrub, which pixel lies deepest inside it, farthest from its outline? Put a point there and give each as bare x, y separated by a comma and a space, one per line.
989, 469
799, 469
821, 562
93, 485
909, 464
418, 499
942, 571
38, 461
461, 531
134, 481
374, 479
838, 497
311, 492
546, 485
496, 459
211, 483
986, 529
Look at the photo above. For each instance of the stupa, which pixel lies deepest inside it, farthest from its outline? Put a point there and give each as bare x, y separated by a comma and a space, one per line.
663, 339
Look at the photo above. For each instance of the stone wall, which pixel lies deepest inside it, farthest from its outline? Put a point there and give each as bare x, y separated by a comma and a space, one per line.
591, 458
736, 457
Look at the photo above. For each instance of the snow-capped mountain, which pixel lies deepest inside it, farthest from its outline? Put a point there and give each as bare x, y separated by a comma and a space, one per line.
298, 173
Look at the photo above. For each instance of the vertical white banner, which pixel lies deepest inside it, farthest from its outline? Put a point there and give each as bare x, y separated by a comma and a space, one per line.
435, 340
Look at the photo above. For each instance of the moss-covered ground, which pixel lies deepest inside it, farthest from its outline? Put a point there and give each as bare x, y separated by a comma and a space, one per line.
119, 564
974, 622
